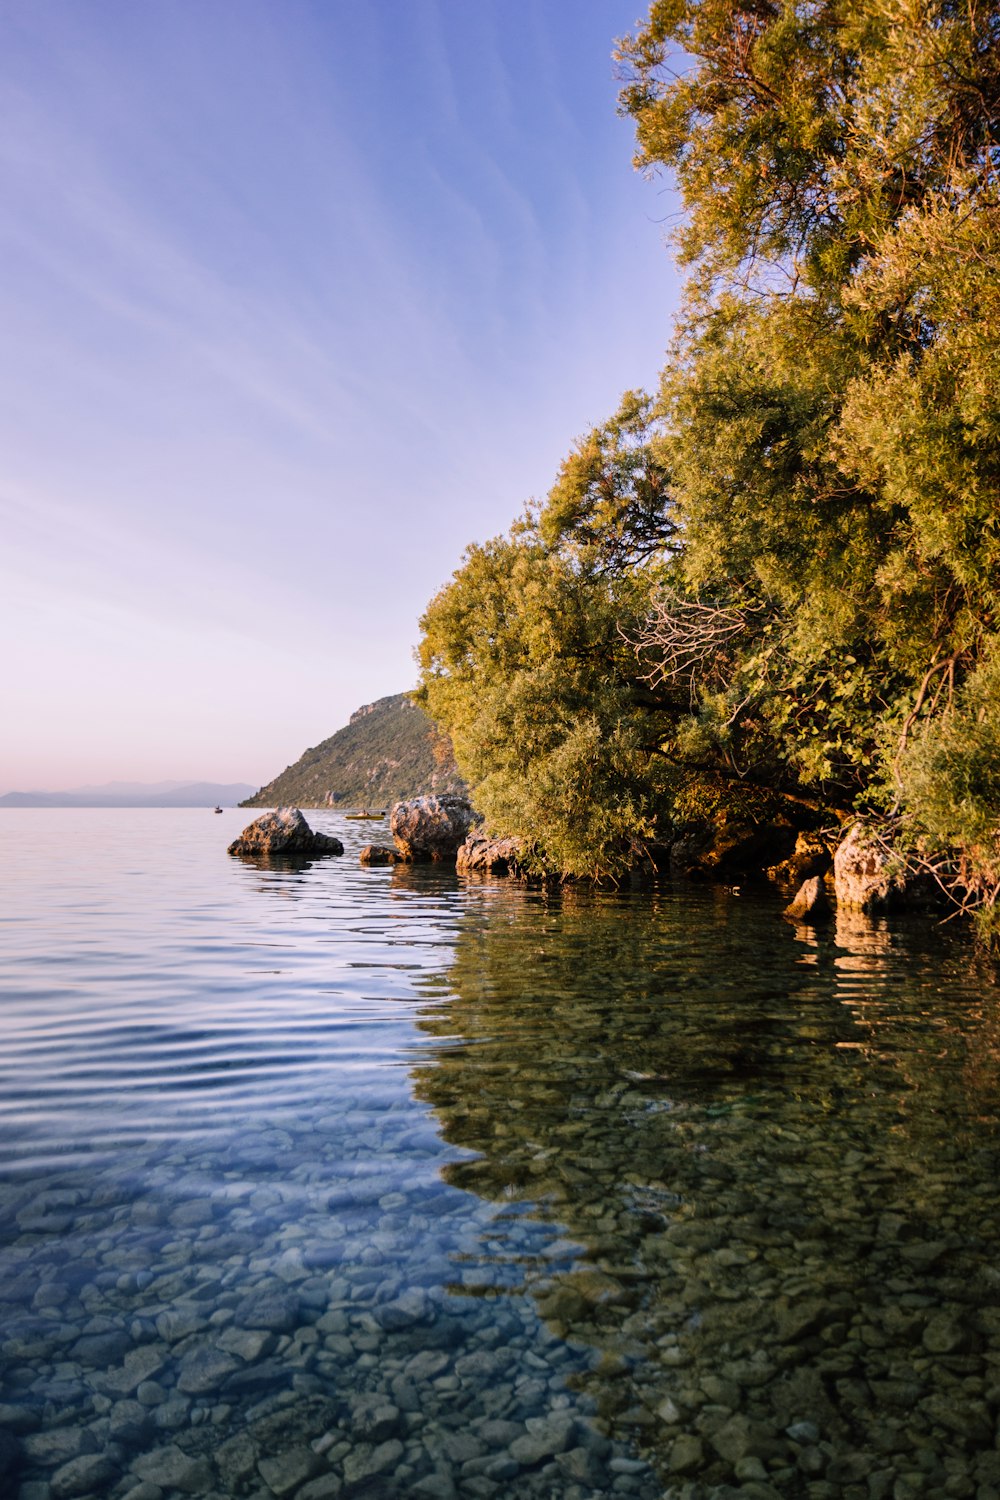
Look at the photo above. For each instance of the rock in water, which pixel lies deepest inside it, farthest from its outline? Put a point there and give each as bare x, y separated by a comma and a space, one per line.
284, 832
810, 901
866, 876
378, 854
488, 856
431, 828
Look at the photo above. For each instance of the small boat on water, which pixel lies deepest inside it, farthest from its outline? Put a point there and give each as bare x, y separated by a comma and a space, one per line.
357, 817
217, 809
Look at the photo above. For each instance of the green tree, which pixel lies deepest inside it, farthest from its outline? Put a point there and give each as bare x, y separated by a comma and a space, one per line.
525, 659
831, 406
780, 573
801, 134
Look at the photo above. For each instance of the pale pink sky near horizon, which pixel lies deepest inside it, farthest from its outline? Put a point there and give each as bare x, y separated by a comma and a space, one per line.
298, 300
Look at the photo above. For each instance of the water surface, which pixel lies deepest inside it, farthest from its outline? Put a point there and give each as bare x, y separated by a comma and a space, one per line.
333, 1181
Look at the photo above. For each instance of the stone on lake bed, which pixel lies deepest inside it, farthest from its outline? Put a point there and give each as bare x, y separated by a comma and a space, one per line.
327, 1487
581, 1465
141, 1491
365, 1463
204, 1370
15, 1418
248, 1344
101, 1349
173, 1469
271, 1308
733, 1440
801, 1318
686, 1454
180, 1322
544, 1438
89, 1474
405, 1311
139, 1366
283, 833
58, 1445
288, 1471
943, 1334
434, 1487
128, 1422
667, 1412
427, 1365
236, 1459
373, 1418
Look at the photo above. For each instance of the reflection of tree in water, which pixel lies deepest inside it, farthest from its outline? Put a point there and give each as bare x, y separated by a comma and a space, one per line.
772, 1154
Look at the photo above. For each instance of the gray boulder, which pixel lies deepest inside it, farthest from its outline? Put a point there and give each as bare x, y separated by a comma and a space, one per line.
431, 828
483, 855
285, 833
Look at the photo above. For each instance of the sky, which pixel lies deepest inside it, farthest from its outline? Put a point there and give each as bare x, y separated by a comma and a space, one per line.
298, 298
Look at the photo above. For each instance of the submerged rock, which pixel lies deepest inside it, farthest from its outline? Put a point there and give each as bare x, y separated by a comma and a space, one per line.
431, 828
284, 832
89, 1474
489, 856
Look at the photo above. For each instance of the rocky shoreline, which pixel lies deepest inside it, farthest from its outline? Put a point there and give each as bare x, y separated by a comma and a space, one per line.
852, 868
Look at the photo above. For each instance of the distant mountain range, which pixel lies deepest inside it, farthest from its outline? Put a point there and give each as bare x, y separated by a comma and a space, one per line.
389, 750
137, 794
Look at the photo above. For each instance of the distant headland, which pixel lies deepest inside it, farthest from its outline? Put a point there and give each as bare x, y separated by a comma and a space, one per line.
137, 794
388, 750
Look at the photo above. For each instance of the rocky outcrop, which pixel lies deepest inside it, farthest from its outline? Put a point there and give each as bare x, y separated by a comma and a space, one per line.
283, 833
483, 855
378, 854
867, 877
431, 828
811, 903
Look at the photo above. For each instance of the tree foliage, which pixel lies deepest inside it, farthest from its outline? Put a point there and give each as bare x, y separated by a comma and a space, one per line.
525, 661
784, 569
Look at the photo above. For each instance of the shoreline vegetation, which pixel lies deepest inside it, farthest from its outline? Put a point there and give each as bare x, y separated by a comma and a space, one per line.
763, 602
857, 872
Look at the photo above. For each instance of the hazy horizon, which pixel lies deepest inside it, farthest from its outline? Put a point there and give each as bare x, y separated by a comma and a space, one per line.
126, 788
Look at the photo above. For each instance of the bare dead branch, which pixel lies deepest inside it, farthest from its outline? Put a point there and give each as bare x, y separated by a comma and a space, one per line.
682, 636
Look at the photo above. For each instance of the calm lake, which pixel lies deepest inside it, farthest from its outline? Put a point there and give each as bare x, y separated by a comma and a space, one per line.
335, 1181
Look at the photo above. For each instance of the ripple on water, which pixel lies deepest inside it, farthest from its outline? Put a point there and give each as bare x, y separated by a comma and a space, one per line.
372, 1182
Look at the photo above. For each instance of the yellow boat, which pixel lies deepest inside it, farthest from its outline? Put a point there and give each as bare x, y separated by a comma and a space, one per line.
356, 817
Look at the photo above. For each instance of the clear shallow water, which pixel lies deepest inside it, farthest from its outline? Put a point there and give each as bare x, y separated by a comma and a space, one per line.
335, 1181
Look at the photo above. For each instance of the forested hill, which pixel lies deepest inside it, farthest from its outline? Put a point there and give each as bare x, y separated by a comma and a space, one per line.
387, 751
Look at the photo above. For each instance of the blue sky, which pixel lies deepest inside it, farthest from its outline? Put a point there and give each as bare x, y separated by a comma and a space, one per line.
297, 299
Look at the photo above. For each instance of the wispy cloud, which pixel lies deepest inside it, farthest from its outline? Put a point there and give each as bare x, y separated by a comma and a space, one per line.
285, 289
